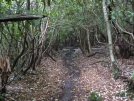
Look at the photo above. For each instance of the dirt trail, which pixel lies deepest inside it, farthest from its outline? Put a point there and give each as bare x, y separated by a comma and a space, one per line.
71, 78
72, 74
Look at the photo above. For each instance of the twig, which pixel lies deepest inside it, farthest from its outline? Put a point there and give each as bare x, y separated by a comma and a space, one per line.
50, 56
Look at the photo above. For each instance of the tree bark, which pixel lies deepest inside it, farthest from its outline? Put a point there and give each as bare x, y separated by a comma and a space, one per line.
108, 32
88, 42
133, 16
113, 62
28, 4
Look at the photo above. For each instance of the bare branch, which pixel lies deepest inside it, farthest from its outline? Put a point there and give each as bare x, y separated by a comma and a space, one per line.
123, 30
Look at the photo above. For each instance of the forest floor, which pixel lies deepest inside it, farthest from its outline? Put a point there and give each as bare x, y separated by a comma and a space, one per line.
71, 78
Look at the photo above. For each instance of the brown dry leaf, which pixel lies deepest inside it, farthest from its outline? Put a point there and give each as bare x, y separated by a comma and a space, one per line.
50, 76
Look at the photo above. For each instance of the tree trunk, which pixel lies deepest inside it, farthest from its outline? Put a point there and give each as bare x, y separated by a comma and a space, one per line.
28, 4
88, 42
133, 16
113, 62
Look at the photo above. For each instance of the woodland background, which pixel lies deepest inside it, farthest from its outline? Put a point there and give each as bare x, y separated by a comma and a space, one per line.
84, 25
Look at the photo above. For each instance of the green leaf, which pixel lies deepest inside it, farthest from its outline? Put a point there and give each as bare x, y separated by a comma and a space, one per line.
35, 22
132, 97
95, 97
121, 94
113, 17
92, 96
132, 74
8, 1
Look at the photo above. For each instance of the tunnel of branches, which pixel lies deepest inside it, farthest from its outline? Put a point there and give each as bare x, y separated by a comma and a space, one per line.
27, 50
28, 38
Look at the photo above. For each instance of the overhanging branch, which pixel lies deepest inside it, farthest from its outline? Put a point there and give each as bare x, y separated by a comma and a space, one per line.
20, 17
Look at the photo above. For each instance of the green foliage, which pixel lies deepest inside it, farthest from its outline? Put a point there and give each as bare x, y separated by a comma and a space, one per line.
132, 97
8, 1
46, 2
130, 94
132, 74
121, 94
115, 72
2, 96
113, 15
3, 7
95, 97
35, 22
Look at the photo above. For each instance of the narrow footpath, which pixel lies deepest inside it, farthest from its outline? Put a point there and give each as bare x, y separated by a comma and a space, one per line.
72, 74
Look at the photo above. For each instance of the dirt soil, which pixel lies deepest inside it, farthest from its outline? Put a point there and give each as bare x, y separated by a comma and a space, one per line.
71, 78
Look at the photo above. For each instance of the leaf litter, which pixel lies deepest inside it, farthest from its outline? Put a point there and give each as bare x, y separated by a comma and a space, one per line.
47, 83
